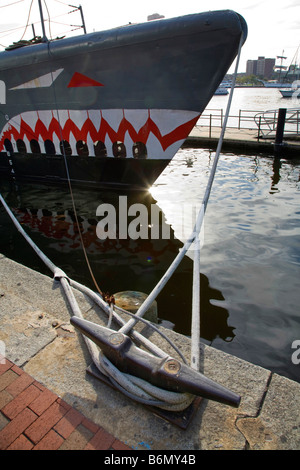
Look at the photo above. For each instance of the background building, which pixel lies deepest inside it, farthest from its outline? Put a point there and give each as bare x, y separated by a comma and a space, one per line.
251, 67
261, 67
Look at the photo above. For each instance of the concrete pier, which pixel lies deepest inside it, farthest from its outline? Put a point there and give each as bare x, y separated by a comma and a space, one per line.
242, 140
37, 336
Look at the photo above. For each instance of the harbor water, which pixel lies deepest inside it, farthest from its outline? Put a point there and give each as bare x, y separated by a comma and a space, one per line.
250, 254
253, 99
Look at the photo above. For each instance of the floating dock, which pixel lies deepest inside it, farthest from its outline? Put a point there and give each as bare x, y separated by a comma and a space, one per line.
37, 337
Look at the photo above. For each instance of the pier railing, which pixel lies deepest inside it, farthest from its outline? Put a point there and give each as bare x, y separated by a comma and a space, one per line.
263, 122
267, 122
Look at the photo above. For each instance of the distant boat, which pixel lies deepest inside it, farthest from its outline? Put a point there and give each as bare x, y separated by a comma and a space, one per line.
221, 91
226, 84
291, 92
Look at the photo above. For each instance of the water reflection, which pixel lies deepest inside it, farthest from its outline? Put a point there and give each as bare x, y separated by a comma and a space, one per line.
250, 260
118, 264
276, 174
251, 247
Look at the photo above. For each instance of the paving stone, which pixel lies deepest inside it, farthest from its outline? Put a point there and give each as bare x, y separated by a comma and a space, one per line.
277, 427
69, 423
101, 441
42, 401
21, 401
45, 422
7, 378
3, 420
5, 398
78, 439
21, 443
18, 385
16, 427
51, 441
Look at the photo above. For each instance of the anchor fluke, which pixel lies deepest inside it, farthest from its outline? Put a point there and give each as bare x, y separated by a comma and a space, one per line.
167, 373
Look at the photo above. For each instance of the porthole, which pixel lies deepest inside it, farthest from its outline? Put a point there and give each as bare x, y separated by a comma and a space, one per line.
49, 147
139, 150
100, 149
8, 146
119, 150
35, 146
82, 148
21, 146
65, 148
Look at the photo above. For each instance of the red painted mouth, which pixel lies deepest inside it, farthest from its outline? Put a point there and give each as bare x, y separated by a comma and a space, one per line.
94, 126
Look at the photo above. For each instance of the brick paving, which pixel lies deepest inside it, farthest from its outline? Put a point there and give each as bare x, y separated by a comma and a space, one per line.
34, 418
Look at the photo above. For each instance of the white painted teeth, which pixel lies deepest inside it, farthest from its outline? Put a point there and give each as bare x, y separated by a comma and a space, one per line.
30, 118
113, 117
95, 117
156, 128
46, 117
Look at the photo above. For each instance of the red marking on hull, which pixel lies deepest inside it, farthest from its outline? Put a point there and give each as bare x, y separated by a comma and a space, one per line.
80, 80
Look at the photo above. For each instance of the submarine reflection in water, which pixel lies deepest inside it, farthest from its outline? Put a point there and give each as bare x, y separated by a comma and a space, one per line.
117, 264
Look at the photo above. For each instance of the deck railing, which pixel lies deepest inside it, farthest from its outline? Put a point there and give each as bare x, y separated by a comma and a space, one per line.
264, 122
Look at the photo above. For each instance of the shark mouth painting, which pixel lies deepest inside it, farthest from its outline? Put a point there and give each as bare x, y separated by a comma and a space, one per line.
139, 133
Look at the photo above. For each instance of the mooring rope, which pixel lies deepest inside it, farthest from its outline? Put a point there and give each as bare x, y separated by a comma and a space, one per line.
137, 389
69, 179
134, 387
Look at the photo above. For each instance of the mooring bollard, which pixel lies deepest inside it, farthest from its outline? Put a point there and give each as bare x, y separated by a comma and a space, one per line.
280, 126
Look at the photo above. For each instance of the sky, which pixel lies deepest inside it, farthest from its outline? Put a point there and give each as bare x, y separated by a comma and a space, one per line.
273, 25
